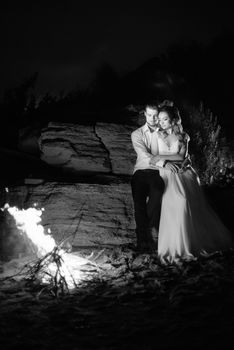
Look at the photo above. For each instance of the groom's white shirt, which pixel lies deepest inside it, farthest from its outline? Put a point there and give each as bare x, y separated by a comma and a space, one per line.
146, 146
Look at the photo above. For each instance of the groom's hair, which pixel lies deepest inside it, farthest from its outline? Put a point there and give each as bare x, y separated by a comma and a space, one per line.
152, 106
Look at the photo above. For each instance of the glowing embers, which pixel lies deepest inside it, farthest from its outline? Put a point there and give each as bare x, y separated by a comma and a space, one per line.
54, 267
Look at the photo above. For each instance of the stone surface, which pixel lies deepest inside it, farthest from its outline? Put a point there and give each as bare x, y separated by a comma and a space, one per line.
86, 214
117, 140
76, 148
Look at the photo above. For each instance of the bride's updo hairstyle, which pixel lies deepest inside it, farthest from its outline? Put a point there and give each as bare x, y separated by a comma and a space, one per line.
175, 119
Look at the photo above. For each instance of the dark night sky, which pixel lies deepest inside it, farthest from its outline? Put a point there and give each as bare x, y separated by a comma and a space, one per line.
66, 43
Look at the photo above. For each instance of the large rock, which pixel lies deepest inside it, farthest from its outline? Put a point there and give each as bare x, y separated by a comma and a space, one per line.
117, 140
89, 214
75, 148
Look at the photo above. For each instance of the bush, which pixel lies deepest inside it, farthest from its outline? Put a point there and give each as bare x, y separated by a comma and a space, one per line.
210, 152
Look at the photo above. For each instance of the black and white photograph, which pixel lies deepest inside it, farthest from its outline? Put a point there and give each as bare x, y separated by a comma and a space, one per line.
116, 175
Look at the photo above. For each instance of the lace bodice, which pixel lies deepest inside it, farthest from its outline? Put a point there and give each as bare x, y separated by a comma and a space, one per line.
164, 149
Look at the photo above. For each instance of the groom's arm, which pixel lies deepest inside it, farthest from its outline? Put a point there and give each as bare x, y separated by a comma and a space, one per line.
144, 158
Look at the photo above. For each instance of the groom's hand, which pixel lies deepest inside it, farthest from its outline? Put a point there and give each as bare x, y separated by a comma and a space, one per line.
172, 167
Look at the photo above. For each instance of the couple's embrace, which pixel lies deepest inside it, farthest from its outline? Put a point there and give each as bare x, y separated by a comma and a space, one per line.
171, 214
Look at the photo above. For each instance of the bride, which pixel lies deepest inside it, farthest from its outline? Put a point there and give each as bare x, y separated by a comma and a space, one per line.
188, 225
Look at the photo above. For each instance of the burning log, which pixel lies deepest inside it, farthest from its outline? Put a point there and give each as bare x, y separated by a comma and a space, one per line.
52, 271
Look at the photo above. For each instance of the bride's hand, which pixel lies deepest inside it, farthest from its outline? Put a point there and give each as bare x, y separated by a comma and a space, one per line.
172, 167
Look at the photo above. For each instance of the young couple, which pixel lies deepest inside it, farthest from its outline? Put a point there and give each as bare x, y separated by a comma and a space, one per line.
171, 213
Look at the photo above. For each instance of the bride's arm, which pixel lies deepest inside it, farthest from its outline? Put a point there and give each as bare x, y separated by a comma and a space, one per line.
177, 157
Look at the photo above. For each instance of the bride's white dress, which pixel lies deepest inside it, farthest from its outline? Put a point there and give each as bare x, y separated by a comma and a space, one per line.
188, 225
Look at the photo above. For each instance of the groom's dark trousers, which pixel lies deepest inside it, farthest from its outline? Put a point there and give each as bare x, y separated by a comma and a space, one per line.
147, 190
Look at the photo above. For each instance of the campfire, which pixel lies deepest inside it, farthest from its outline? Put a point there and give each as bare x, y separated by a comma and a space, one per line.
54, 267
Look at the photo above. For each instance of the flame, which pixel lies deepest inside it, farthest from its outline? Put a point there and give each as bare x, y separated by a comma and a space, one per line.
28, 221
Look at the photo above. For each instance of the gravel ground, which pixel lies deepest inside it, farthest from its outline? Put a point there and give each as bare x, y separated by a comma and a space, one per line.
123, 301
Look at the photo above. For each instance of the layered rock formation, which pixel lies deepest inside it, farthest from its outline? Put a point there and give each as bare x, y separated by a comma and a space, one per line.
91, 204
102, 147
117, 141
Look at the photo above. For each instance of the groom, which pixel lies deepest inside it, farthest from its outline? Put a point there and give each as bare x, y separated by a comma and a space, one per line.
147, 185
